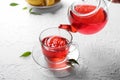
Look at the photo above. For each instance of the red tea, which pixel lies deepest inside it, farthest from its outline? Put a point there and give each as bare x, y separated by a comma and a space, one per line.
88, 24
55, 48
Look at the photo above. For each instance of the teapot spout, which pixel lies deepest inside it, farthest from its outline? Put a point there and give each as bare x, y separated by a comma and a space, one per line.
68, 27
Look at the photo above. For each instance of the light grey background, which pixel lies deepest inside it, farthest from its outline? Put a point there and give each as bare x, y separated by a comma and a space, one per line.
19, 32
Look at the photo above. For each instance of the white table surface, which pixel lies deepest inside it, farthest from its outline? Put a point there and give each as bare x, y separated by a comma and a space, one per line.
19, 32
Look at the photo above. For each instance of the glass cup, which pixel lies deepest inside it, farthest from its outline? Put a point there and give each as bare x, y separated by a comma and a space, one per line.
55, 44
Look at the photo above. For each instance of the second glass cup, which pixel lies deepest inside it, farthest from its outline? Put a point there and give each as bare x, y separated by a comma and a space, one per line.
55, 44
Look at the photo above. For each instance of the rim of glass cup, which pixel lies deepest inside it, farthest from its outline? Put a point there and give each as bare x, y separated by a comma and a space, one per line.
57, 29
80, 14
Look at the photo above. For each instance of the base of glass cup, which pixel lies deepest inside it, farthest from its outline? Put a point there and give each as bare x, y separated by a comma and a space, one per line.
57, 62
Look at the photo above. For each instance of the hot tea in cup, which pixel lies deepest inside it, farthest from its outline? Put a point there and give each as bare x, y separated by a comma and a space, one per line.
55, 44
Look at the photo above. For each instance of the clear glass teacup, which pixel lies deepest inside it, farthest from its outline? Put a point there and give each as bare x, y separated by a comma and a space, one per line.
55, 44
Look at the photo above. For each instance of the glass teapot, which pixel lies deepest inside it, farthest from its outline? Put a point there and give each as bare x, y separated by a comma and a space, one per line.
87, 16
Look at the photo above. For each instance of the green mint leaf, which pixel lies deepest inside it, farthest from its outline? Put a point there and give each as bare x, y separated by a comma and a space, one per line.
73, 61
24, 8
26, 54
30, 10
70, 64
35, 13
14, 4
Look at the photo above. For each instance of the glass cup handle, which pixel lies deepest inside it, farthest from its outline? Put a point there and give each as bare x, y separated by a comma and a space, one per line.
74, 48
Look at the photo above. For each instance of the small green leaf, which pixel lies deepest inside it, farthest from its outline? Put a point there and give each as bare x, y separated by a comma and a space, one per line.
35, 13
73, 61
24, 8
31, 12
70, 64
26, 54
14, 4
